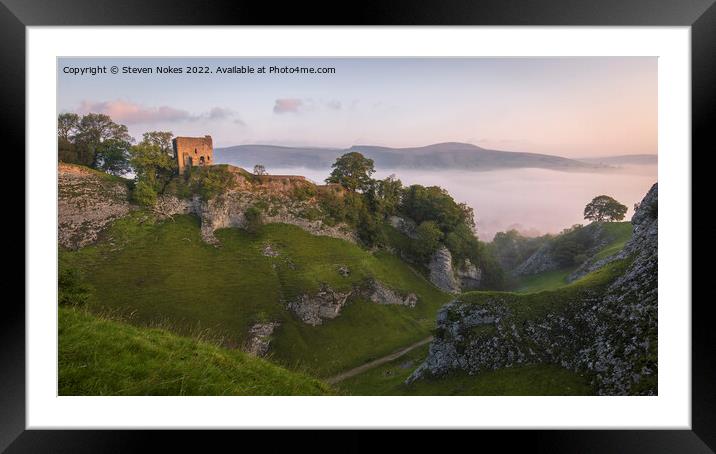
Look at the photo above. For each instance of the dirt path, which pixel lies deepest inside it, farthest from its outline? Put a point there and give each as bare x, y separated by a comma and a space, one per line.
375, 363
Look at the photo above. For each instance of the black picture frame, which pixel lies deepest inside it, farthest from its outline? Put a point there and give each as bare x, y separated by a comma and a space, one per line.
700, 15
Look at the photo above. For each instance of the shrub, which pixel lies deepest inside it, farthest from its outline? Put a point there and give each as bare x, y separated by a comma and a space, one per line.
211, 181
304, 192
254, 219
144, 194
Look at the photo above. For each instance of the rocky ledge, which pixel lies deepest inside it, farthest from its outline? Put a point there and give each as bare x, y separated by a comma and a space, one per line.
606, 330
327, 303
447, 278
259, 339
88, 201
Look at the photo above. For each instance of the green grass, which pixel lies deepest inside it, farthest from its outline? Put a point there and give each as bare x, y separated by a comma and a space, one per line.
98, 356
165, 274
620, 233
533, 380
548, 280
617, 232
524, 306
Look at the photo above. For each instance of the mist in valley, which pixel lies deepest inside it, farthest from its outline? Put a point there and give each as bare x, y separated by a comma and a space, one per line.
534, 201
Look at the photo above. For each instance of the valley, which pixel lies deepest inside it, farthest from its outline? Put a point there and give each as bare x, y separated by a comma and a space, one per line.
295, 293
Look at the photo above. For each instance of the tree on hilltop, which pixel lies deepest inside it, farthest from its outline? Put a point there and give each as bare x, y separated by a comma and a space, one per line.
67, 124
604, 208
162, 139
259, 169
80, 138
352, 171
112, 156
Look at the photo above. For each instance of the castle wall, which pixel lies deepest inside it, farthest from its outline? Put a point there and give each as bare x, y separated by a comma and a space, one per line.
193, 152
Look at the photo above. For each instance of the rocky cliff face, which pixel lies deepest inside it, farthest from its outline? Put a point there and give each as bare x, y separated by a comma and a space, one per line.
604, 326
227, 210
88, 202
447, 278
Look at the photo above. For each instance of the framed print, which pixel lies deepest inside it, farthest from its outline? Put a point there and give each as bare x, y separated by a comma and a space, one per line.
387, 224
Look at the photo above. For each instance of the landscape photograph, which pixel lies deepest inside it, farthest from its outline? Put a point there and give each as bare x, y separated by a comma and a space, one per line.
357, 226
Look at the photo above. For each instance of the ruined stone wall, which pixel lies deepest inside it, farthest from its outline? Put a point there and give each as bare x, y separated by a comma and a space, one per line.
193, 151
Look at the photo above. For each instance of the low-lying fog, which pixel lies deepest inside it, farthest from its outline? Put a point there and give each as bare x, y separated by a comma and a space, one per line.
535, 201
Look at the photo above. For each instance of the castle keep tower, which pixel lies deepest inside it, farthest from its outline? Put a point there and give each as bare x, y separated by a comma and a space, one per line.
192, 151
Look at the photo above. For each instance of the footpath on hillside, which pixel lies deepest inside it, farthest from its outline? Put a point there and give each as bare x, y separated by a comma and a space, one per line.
377, 362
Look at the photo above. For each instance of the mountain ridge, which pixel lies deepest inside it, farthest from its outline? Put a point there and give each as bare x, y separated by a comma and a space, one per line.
445, 155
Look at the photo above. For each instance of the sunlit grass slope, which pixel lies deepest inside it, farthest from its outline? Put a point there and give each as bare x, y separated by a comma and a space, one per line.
98, 356
164, 273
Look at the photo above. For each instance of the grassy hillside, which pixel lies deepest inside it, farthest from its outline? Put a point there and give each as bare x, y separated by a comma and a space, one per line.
164, 273
98, 356
539, 379
535, 380
618, 233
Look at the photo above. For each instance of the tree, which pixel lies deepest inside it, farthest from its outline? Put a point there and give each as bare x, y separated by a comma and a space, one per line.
604, 208
384, 196
433, 203
67, 124
112, 156
428, 239
352, 171
162, 139
259, 169
152, 166
91, 131
144, 194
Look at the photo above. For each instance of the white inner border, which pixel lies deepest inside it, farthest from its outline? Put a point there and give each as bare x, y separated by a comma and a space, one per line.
670, 409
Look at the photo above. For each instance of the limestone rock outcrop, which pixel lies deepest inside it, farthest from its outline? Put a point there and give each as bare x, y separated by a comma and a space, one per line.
326, 304
88, 201
447, 278
605, 331
259, 340
380, 294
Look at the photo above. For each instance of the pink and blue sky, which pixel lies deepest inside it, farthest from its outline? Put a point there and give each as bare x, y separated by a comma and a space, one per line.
574, 107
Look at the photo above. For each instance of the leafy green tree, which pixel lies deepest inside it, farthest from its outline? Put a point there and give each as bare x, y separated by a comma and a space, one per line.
144, 194
352, 171
604, 208
92, 130
162, 139
112, 156
433, 203
79, 138
384, 196
463, 244
67, 125
428, 239
152, 165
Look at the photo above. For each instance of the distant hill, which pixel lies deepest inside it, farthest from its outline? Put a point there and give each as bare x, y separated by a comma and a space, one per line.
622, 160
450, 155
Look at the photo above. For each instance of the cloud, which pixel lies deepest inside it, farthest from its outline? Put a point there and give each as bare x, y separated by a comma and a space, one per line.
296, 105
126, 112
219, 113
287, 105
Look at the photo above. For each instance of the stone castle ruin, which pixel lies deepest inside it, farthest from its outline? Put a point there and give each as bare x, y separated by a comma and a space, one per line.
193, 151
